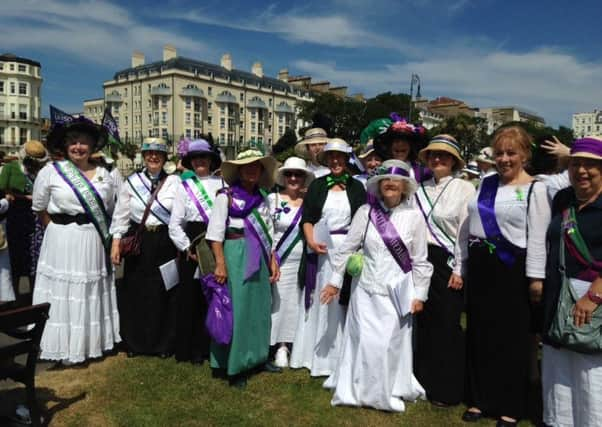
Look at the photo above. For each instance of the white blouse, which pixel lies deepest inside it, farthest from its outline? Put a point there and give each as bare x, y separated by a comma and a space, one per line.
282, 221
555, 182
184, 210
220, 220
511, 214
451, 207
52, 194
380, 268
130, 208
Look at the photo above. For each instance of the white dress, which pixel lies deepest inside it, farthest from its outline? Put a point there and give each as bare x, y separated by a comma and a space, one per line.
7, 292
286, 294
72, 275
376, 366
320, 329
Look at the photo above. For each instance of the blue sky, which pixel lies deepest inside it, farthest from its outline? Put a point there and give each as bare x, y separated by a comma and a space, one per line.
544, 56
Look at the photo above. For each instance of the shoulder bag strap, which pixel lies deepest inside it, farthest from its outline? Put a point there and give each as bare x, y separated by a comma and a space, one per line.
149, 204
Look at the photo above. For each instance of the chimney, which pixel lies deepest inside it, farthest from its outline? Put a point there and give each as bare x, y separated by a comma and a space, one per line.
169, 52
137, 59
283, 75
257, 69
226, 61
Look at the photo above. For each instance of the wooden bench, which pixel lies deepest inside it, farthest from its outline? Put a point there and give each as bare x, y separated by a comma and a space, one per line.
16, 323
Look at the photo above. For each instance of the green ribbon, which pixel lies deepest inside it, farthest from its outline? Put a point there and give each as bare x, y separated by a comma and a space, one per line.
331, 180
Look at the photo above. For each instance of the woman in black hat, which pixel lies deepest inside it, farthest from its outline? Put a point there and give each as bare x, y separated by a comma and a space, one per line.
73, 274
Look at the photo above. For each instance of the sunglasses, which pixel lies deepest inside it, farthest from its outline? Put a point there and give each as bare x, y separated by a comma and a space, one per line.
297, 174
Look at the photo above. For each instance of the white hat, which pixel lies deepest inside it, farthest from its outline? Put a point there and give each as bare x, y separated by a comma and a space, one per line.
312, 136
486, 156
392, 169
334, 144
297, 164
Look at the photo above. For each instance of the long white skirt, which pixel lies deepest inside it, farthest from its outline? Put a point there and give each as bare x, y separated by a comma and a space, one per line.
375, 367
286, 300
572, 388
72, 276
7, 292
319, 333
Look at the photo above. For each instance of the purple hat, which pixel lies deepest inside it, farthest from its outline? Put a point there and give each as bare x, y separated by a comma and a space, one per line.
589, 147
197, 148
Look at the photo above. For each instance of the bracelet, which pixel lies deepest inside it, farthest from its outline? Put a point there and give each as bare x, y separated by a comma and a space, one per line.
594, 297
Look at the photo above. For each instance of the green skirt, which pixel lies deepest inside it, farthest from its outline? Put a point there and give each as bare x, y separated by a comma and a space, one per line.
251, 310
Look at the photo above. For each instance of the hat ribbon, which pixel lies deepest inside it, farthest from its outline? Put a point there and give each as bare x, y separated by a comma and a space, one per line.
393, 170
587, 145
447, 141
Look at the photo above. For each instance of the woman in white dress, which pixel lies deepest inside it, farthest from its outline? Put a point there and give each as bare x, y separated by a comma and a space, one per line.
375, 366
286, 209
330, 203
74, 273
7, 292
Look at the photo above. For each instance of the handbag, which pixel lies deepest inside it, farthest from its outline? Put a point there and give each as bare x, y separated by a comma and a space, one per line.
219, 321
588, 337
130, 245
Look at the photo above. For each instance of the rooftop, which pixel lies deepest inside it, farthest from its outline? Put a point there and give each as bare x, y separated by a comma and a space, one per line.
11, 57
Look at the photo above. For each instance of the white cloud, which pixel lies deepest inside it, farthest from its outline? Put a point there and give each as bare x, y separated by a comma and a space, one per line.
94, 31
552, 83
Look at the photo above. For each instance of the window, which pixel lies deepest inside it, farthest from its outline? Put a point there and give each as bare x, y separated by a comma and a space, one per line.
1, 86
253, 114
163, 118
125, 91
222, 123
270, 116
164, 133
252, 126
12, 68
1, 68
1, 134
280, 117
242, 96
222, 109
197, 134
23, 111
22, 136
1, 110
148, 103
164, 102
222, 138
187, 120
270, 102
22, 68
125, 120
12, 88
188, 133
197, 106
188, 102
197, 120
280, 130
115, 109
242, 111
209, 105
209, 90
149, 88
208, 120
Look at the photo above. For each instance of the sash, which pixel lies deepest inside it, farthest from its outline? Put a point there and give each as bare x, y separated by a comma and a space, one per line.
142, 190
289, 239
199, 197
441, 237
258, 242
421, 173
506, 251
392, 240
577, 247
88, 197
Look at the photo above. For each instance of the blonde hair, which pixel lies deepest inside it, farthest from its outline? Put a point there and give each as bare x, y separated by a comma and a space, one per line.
515, 134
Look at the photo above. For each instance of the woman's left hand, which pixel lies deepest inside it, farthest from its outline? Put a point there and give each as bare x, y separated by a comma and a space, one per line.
328, 294
275, 270
417, 306
582, 312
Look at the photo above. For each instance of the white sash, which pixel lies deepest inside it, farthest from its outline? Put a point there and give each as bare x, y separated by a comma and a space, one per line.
142, 188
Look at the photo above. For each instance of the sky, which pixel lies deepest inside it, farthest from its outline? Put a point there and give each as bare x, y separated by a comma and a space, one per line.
544, 56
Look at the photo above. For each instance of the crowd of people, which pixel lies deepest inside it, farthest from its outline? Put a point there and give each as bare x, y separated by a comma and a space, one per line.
357, 268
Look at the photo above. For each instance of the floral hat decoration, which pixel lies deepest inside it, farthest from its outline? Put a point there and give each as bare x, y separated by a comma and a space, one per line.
400, 128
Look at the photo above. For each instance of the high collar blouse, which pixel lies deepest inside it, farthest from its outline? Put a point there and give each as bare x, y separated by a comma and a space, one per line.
515, 224
380, 268
184, 209
130, 208
452, 196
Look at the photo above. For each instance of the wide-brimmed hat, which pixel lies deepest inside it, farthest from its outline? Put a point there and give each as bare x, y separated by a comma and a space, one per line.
312, 136
399, 128
392, 169
589, 147
153, 143
196, 148
367, 150
486, 156
472, 168
294, 164
230, 168
445, 143
56, 136
34, 150
334, 144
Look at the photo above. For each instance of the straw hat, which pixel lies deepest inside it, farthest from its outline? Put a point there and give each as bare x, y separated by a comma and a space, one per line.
312, 136
295, 164
472, 168
230, 168
392, 169
589, 147
56, 136
334, 144
154, 144
34, 150
367, 150
486, 156
445, 143
197, 148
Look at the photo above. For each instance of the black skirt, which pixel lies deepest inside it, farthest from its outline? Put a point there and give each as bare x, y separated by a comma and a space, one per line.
497, 334
20, 227
439, 356
192, 339
146, 309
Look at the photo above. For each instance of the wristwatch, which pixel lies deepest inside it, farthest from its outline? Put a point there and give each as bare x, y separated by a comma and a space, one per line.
594, 297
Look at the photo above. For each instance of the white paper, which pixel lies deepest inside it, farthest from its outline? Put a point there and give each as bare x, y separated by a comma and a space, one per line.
402, 295
197, 273
169, 273
580, 286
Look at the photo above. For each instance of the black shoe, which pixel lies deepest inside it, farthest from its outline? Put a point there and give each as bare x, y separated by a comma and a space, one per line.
505, 423
271, 368
238, 381
471, 417
197, 360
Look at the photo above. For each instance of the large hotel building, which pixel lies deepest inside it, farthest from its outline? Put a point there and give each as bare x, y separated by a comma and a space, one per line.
179, 97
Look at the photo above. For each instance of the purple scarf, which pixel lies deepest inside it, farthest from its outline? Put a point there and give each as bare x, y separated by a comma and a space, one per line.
392, 240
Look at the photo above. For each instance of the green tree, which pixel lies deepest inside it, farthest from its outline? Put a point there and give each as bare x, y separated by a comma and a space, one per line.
470, 132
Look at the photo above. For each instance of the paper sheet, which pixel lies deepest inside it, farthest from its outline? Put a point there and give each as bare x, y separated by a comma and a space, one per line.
169, 273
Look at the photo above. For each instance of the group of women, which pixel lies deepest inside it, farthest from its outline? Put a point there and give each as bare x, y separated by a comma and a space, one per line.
360, 279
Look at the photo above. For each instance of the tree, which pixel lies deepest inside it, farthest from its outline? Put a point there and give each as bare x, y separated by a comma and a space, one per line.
470, 132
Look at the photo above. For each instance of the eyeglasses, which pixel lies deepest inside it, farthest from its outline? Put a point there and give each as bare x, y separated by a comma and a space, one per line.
297, 174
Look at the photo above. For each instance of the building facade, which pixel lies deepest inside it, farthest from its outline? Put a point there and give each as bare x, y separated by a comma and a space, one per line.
587, 124
20, 101
497, 116
180, 97
94, 109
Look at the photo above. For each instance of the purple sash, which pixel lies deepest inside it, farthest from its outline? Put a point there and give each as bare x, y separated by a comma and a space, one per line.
291, 236
506, 251
392, 240
311, 272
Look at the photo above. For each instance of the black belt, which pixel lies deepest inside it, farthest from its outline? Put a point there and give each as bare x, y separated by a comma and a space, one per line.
64, 219
148, 227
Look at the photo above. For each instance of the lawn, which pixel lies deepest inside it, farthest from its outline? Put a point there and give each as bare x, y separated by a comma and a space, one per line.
144, 391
